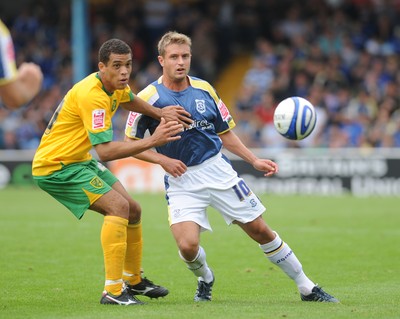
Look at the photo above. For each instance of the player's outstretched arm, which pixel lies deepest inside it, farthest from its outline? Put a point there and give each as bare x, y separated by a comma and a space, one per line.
169, 113
234, 145
172, 166
24, 88
165, 132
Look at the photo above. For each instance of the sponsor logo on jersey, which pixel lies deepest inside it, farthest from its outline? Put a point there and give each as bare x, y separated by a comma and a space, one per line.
98, 119
200, 124
10, 50
132, 117
200, 106
223, 110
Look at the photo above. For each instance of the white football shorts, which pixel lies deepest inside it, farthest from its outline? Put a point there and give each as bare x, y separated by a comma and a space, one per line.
212, 183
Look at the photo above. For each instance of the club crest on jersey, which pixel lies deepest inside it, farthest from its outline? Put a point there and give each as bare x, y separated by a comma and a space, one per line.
200, 105
96, 182
114, 105
98, 119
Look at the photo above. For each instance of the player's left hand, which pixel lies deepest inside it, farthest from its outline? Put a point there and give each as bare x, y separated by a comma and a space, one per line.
173, 166
266, 165
177, 113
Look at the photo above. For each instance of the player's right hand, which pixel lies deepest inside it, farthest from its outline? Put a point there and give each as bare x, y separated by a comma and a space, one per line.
177, 113
267, 166
166, 132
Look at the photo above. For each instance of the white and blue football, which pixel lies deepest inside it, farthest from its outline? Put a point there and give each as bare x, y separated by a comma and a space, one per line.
295, 118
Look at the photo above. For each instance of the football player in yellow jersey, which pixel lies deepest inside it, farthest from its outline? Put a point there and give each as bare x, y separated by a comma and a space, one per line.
17, 86
64, 168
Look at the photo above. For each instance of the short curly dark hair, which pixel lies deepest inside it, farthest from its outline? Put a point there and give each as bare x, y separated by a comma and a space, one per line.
113, 46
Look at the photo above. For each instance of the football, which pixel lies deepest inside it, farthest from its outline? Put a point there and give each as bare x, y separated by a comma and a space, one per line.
295, 118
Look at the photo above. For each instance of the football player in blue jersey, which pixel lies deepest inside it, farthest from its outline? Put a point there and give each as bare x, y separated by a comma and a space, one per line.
198, 175
17, 86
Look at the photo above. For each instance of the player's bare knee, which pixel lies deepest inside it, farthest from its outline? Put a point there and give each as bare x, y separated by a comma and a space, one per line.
263, 238
188, 251
119, 208
258, 231
135, 211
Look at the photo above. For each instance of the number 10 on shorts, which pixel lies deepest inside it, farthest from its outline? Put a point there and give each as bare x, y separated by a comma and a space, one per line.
242, 190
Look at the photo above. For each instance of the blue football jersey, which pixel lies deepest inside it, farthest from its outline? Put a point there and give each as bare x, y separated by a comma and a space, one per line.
211, 118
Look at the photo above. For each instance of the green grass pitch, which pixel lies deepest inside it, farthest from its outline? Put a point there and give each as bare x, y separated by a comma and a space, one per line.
51, 264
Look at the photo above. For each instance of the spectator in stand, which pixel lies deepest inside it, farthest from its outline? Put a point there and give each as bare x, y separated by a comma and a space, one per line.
247, 22
157, 15
264, 115
292, 25
267, 136
244, 112
336, 101
264, 110
337, 137
265, 51
148, 75
317, 138
383, 128
28, 135
204, 50
259, 76
394, 129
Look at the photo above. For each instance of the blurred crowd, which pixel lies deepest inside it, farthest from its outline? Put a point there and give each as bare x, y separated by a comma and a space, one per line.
342, 55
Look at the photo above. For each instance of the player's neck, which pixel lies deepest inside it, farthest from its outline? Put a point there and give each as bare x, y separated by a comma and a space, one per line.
175, 85
107, 87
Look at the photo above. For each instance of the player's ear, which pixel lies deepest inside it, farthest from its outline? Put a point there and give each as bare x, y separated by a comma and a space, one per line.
101, 66
161, 60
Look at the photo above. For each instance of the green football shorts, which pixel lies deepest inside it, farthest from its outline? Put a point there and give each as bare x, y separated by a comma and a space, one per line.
79, 185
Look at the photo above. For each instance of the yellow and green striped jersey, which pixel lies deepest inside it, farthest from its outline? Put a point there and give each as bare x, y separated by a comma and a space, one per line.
82, 120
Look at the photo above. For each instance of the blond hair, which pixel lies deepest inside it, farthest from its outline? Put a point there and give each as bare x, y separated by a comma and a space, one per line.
172, 37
